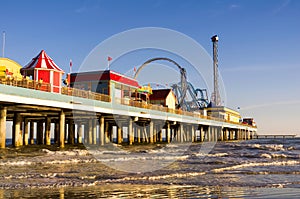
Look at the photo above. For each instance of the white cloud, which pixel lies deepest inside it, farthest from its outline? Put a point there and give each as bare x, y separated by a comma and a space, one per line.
256, 106
281, 7
234, 6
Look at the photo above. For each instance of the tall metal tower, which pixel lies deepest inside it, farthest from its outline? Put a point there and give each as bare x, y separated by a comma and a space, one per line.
215, 99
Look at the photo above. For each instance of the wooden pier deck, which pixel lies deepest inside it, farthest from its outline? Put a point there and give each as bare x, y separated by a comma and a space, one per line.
97, 119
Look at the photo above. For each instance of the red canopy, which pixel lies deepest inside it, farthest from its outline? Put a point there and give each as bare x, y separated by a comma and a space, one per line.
42, 61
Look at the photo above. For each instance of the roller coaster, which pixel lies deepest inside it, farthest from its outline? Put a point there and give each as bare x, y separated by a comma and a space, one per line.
189, 98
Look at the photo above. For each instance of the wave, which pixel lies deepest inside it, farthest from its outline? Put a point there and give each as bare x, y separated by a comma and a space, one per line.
273, 155
153, 178
256, 164
75, 152
45, 162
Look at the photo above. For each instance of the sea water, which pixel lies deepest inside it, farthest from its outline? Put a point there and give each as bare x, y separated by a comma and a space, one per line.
267, 168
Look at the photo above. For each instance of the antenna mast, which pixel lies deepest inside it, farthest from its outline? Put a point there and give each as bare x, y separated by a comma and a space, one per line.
216, 100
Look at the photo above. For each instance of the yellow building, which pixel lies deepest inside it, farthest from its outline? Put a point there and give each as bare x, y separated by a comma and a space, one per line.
9, 68
224, 113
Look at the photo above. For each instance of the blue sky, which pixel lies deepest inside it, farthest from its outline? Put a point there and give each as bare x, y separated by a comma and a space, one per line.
258, 49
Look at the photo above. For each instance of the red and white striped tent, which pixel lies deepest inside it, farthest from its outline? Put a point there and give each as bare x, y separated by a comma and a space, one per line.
42, 67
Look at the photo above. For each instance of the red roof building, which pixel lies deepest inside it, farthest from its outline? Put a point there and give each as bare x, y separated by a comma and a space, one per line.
164, 97
106, 82
42, 67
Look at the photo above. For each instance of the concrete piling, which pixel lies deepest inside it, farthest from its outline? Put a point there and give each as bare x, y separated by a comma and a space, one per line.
47, 131
101, 130
26, 135
168, 133
119, 134
79, 133
62, 129
17, 130
3, 112
31, 132
129, 132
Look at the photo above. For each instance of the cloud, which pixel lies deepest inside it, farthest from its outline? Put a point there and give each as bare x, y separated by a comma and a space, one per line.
256, 106
246, 69
234, 6
281, 7
81, 9
262, 68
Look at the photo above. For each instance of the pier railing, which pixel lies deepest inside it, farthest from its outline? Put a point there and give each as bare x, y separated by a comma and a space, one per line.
30, 84
85, 94
145, 105
25, 83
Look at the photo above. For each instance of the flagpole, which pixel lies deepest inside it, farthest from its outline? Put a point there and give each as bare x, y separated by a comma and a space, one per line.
108, 62
71, 66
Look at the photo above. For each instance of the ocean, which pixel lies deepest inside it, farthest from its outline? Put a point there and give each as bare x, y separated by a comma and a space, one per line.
263, 168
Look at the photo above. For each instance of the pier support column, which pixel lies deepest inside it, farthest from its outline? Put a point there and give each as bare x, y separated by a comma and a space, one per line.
90, 132
151, 132
201, 129
168, 133
187, 133
138, 133
47, 131
194, 136
248, 135
26, 135
3, 113
94, 133
160, 133
40, 132
85, 132
101, 130
251, 134
62, 119
31, 132
154, 133
237, 134
210, 133
119, 134
79, 133
106, 133
66, 130
181, 131
56, 132
71, 134
220, 134
129, 132
230, 134
17, 131
176, 138
111, 132
225, 131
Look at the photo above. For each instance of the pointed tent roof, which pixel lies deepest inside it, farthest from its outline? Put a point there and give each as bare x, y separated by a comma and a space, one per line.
42, 61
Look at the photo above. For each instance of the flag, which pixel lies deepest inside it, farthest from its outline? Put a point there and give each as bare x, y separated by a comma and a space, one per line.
109, 58
134, 69
71, 64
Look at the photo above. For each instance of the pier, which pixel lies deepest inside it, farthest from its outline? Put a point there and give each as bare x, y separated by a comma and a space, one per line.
78, 116
101, 107
275, 136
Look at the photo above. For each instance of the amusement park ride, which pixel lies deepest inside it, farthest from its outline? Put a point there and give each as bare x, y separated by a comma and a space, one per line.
197, 97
